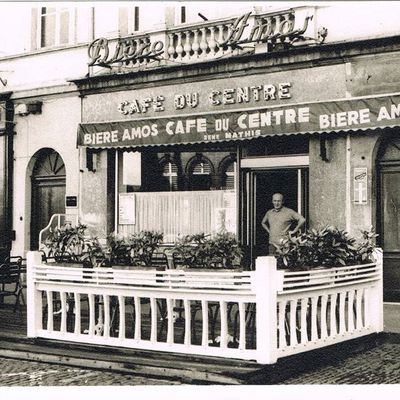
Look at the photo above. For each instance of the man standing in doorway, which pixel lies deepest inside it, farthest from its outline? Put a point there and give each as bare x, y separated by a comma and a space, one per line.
278, 221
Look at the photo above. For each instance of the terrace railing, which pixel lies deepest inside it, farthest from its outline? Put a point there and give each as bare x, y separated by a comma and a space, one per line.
257, 315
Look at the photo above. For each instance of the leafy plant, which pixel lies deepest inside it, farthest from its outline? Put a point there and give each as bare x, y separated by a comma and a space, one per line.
143, 244
119, 250
94, 253
66, 242
325, 247
367, 246
226, 248
202, 251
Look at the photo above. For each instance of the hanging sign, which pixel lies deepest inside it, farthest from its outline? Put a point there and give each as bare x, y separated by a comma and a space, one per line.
360, 185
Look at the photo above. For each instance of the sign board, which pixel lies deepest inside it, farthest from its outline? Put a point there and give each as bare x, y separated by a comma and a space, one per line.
341, 115
126, 209
360, 185
71, 201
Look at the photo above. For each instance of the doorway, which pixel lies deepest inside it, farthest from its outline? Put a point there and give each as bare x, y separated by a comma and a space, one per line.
48, 191
388, 215
259, 186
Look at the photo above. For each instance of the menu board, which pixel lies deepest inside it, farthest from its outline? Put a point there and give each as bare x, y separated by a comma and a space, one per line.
126, 209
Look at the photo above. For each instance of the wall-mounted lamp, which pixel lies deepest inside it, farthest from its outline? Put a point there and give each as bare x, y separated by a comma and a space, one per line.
33, 107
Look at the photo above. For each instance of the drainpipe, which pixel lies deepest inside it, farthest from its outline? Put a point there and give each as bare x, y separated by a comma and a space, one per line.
8, 152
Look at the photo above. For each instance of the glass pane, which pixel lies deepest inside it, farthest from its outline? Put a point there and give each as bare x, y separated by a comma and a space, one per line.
48, 30
64, 27
391, 211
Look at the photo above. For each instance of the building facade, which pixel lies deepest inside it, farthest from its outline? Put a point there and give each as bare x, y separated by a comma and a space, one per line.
190, 123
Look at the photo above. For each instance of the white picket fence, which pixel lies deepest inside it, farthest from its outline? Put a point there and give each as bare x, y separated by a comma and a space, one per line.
257, 315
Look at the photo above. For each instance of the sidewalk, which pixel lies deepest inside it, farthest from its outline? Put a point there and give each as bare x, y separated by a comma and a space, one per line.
378, 365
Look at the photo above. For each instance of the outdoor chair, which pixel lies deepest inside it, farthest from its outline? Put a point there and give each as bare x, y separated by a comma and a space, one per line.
10, 279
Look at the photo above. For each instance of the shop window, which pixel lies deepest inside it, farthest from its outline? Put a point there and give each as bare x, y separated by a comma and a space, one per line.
170, 176
228, 177
200, 174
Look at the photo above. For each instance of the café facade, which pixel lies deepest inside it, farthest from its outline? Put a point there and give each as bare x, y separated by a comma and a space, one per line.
200, 147
192, 130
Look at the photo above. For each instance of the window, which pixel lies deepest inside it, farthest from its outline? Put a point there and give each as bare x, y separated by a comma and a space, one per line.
228, 177
55, 26
200, 176
183, 14
170, 175
136, 19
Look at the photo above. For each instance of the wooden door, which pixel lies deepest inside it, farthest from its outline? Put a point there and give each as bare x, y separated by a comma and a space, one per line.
48, 192
388, 214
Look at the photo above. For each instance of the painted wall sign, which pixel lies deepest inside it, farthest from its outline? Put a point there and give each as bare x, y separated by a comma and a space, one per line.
238, 95
360, 185
308, 118
126, 209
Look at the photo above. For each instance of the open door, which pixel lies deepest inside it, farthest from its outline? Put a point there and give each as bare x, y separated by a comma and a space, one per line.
258, 188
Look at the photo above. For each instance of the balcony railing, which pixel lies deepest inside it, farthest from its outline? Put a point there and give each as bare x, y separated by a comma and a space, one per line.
204, 41
259, 315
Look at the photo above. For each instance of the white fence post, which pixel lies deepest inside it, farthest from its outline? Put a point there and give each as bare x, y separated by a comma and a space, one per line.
33, 296
376, 300
266, 284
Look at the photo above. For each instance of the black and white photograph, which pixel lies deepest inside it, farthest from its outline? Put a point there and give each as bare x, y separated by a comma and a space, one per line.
199, 198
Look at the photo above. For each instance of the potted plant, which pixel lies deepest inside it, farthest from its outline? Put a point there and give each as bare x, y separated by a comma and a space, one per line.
94, 254
143, 244
326, 247
119, 250
203, 251
66, 243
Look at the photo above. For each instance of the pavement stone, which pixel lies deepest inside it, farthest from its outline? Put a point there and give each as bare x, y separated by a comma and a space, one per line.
31, 373
380, 365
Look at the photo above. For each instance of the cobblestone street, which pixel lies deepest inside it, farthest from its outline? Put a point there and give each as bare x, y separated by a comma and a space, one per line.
380, 365
376, 366
29, 373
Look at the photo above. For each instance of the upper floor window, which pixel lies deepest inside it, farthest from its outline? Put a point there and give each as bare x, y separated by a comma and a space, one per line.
55, 26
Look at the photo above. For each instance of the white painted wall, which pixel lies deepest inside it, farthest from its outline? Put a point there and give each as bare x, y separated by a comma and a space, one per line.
54, 128
344, 21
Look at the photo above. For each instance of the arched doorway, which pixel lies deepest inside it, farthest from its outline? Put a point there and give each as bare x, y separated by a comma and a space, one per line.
48, 191
388, 214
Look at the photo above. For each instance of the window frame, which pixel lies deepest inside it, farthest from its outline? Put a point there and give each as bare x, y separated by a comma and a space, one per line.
57, 34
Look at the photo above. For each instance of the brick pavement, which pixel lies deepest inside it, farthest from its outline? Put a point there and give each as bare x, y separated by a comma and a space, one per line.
30, 373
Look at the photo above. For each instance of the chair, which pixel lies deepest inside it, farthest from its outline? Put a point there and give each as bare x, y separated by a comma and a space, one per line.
159, 260
10, 279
